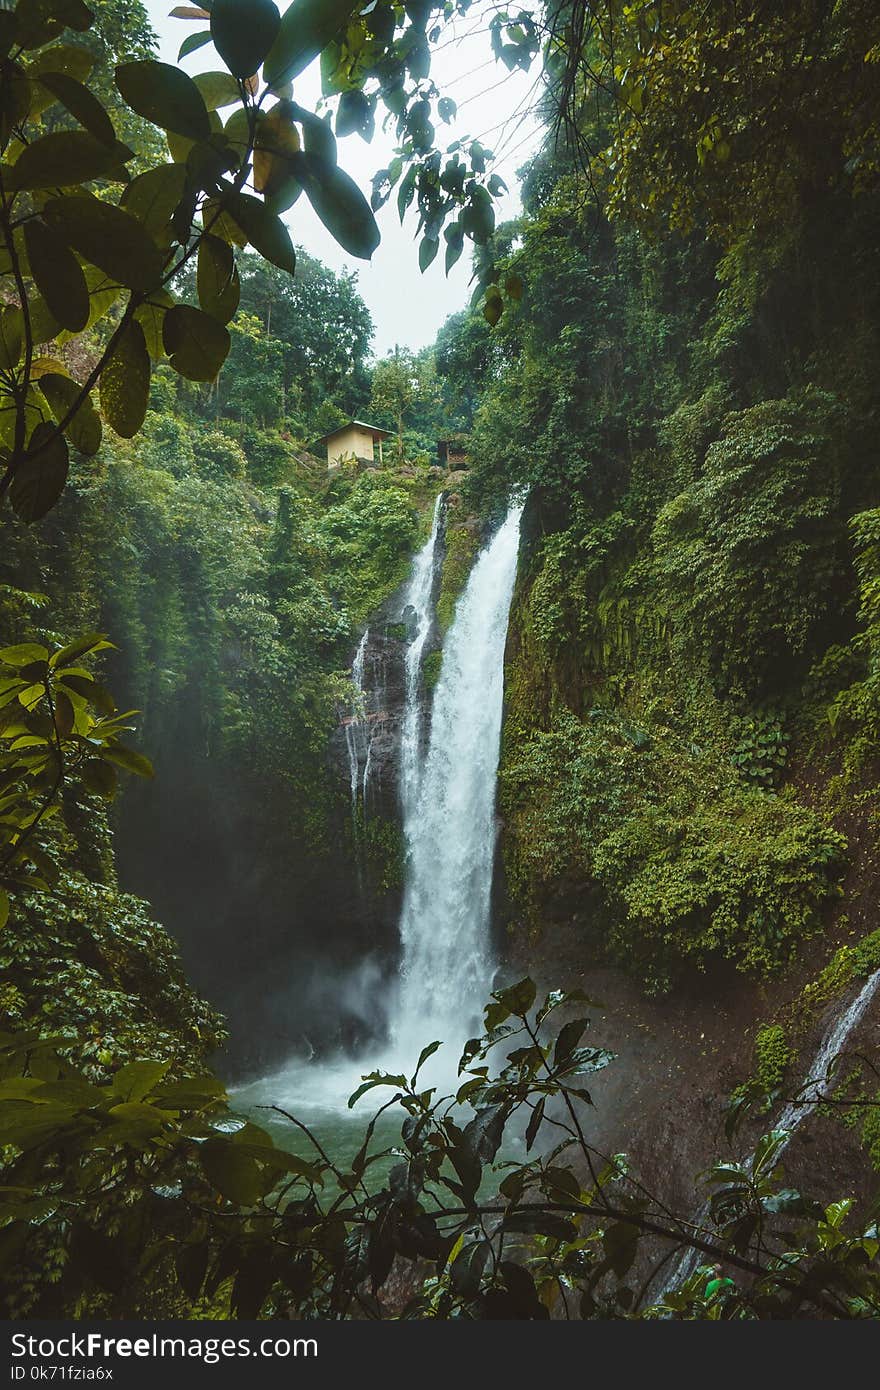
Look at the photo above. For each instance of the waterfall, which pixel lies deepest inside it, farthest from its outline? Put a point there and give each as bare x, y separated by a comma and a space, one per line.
809, 1095
357, 732
417, 611
834, 1042
449, 824
449, 813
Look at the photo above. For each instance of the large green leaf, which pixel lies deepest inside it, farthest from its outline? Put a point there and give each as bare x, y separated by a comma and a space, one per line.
217, 89
136, 1124
82, 104
428, 249
454, 238
263, 229
44, 325
72, 59
34, 410
23, 654
40, 21
217, 279
84, 429
166, 96
516, 999
276, 145
478, 217
16, 100
219, 223
153, 196
110, 238
65, 158
58, 274
318, 137
243, 32
136, 1080
129, 759
196, 343
89, 642
341, 206
103, 292
237, 131
234, 1173
569, 1037
39, 479
125, 382
100, 778
11, 337
27, 1125
151, 317
355, 113
306, 28
194, 42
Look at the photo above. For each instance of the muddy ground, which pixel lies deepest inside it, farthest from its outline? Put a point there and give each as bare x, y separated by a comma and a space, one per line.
663, 1100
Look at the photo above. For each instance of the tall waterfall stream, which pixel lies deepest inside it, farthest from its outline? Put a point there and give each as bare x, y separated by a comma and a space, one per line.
449, 813
447, 797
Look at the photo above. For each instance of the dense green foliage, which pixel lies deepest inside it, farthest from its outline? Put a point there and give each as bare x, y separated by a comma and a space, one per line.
685, 860
88, 962
236, 603
240, 1226
676, 354
86, 239
688, 386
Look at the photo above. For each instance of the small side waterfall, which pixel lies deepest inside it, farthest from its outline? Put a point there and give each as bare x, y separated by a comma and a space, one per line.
449, 813
357, 734
809, 1096
833, 1043
417, 612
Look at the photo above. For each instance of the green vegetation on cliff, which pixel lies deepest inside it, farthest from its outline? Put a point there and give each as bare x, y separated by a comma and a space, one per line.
690, 396
675, 352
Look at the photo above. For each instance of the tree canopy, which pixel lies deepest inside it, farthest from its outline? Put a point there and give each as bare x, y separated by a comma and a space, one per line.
674, 353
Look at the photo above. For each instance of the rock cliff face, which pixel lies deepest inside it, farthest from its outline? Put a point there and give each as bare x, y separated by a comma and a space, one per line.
365, 753
365, 748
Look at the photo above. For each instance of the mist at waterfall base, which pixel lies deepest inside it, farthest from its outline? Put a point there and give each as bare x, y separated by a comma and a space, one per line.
448, 805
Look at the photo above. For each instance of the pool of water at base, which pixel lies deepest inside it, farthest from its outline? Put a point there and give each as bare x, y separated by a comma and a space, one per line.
317, 1095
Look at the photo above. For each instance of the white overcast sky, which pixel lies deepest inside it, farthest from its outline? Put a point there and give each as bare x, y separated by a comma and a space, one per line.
494, 106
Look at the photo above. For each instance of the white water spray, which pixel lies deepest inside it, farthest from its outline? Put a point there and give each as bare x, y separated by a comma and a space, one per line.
449, 815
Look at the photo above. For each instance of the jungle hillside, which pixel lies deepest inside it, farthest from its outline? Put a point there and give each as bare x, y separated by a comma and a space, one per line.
512, 699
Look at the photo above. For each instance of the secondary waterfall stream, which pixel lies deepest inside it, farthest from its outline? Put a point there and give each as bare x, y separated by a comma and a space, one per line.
808, 1096
357, 733
417, 612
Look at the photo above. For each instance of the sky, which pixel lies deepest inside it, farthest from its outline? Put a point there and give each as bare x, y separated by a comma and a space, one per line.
495, 106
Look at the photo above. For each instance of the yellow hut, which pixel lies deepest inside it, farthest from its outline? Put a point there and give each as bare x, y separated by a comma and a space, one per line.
354, 441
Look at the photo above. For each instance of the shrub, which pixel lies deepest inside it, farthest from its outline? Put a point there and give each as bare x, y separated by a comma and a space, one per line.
687, 863
751, 555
